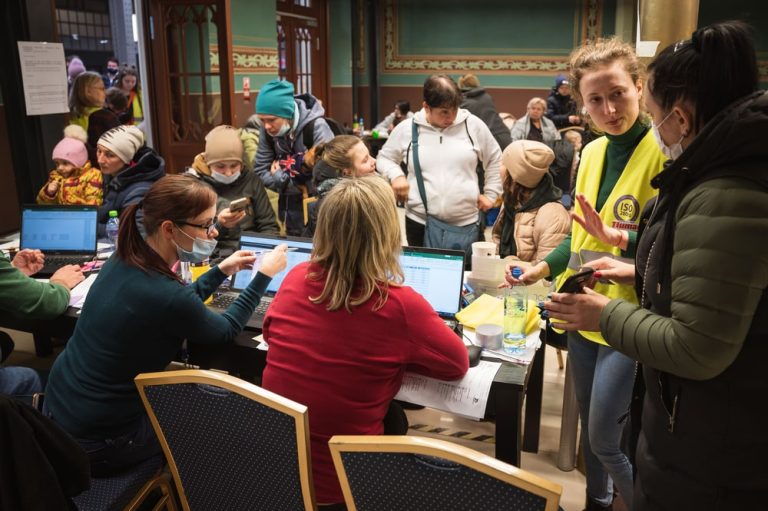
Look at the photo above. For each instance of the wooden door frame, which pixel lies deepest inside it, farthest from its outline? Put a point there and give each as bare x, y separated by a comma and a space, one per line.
157, 59
321, 14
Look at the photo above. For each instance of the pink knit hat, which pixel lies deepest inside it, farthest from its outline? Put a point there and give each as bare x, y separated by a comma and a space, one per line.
72, 147
76, 67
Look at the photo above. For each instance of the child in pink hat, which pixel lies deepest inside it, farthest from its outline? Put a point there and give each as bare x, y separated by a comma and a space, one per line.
73, 181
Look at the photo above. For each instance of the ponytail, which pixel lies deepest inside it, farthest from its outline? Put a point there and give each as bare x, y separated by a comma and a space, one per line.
132, 248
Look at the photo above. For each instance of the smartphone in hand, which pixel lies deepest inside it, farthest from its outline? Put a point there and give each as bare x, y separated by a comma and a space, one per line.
238, 205
576, 282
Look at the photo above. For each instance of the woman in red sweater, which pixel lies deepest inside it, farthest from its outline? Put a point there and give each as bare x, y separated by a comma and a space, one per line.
342, 330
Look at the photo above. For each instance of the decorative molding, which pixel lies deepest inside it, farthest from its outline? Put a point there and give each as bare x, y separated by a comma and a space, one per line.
393, 61
762, 70
247, 59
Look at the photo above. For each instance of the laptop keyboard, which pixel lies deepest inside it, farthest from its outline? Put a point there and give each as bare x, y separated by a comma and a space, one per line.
224, 300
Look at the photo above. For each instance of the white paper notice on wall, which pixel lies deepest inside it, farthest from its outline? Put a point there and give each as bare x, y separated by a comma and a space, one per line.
44, 76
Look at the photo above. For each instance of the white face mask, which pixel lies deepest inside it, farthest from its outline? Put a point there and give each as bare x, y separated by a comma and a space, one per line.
223, 178
672, 152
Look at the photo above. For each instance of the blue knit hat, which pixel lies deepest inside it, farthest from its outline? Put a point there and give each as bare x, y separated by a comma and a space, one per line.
276, 98
560, 80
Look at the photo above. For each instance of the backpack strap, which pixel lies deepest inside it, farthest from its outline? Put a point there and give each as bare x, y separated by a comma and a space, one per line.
308, 134
416, 165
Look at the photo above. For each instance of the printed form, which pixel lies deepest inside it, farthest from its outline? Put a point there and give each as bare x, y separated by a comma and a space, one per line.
467, 397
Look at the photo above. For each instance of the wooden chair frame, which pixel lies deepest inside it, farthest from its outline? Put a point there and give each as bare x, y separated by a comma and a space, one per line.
482, 463
247, 390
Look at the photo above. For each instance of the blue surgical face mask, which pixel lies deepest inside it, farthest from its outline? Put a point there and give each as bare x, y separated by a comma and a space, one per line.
223, 178
201, 249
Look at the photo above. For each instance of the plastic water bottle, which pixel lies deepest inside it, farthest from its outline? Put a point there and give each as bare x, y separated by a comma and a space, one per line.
361, 125
515, 316
113, 227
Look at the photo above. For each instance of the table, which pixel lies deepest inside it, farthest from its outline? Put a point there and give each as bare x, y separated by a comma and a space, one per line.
513, 386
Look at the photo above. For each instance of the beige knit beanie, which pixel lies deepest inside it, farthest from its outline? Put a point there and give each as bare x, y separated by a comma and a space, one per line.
124, 141
527, 161
223, 143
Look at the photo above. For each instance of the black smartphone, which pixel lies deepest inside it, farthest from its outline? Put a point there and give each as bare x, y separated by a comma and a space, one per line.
577, 281
474, 353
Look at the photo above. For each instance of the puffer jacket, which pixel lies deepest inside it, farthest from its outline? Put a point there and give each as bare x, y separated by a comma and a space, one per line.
701, 331
481, 104
129, 186
537, 232
522, 127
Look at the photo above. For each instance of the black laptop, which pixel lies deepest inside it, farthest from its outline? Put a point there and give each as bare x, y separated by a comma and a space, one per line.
65, 234
256, 242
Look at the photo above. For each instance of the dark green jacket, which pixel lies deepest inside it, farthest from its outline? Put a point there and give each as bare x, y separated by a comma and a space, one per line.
260, 217
702, 331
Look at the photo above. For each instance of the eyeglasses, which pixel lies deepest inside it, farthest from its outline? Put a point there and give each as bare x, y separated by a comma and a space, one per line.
209, 228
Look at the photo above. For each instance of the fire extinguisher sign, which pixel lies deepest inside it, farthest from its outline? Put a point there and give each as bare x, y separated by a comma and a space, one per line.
246, 88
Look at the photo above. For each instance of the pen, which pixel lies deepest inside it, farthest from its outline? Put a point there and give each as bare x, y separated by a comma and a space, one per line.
264, 251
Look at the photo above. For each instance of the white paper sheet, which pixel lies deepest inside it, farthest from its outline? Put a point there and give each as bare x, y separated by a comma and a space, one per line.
44, 74
80, 291
467, 397
532, 343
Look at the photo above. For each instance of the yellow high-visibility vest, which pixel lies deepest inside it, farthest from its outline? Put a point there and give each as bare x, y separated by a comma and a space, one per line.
622, 209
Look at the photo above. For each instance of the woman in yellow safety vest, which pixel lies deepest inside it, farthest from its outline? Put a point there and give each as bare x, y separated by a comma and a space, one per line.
615, 175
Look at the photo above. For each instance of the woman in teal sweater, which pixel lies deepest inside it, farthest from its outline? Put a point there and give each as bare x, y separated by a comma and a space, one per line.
136, 316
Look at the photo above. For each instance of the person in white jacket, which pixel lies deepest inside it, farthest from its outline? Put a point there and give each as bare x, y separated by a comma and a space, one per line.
452, 142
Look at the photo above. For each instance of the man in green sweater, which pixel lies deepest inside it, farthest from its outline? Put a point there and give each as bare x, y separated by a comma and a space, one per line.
25, 297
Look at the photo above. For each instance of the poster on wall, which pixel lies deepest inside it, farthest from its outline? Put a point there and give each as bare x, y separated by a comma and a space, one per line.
44, 76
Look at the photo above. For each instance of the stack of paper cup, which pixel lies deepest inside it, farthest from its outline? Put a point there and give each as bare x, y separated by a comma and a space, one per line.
483, 256
489, 336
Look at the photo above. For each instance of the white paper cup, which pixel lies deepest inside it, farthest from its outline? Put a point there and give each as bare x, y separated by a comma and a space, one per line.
483, 249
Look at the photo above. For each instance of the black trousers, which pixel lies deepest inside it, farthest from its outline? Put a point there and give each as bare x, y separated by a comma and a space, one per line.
414, 233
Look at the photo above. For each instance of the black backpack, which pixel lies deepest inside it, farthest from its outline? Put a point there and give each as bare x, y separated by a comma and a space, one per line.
308, 131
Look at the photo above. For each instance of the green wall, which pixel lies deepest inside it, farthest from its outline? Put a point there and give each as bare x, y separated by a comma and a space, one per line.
253, 33
340, 42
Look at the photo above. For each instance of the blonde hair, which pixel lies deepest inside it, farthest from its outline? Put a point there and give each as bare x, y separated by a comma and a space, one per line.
335, 152
469, 81
78, 99
537, 101
357, 244
600, 53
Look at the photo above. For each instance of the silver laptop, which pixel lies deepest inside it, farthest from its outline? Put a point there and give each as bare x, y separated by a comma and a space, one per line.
263, 243
65, 234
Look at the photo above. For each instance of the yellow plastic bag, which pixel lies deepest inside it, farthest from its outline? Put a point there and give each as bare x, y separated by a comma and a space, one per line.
489, 309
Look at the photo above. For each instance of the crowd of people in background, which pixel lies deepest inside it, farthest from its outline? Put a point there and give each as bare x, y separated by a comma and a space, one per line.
664, 169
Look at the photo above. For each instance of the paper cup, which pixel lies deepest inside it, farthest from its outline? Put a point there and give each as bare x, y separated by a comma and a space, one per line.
483, 249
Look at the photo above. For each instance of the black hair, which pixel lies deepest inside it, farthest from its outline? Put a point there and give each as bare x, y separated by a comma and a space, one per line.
403, 105
711, 70
440, 91
113, 59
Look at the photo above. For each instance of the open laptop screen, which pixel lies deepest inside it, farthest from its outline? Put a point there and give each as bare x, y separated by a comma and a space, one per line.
437, 275
59, 228
266, 242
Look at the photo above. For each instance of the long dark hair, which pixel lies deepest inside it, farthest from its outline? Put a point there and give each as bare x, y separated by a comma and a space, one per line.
712, 69
173, 197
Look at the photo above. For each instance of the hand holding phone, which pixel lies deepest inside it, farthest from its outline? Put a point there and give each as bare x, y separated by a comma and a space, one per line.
238, 205
576, 282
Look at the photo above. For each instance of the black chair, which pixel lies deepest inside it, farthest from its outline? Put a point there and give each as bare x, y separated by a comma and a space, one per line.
231, 445
129, 490
401, 472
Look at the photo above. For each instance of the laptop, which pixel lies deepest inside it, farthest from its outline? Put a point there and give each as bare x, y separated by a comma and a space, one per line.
65, 234
438, 276
256, 242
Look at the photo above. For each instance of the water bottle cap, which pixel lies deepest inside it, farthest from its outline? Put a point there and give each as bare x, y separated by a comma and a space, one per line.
112, 213
517, 272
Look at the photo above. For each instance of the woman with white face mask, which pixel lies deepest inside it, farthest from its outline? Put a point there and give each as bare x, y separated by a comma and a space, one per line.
137, 315
700, 329
221, 166
615, 173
